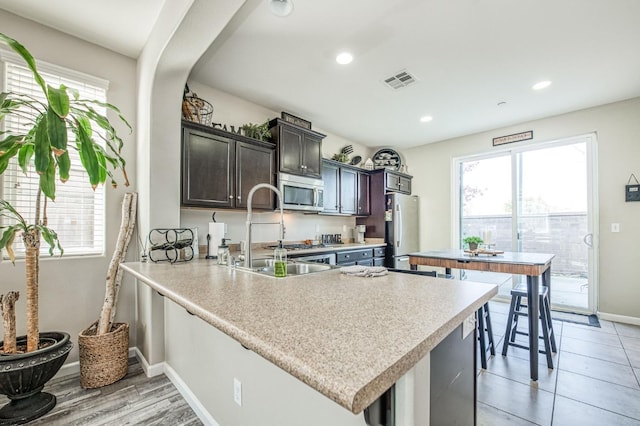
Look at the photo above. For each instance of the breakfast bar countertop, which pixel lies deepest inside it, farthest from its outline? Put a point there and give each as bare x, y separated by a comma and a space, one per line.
348, 337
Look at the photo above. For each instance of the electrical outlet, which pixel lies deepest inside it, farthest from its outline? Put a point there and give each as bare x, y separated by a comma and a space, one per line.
237, 391
468, 325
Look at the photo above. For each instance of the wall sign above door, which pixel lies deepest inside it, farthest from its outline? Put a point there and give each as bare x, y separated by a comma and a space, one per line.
516, 137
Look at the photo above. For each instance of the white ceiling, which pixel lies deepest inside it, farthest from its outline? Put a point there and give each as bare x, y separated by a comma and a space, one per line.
120, 25
467, 55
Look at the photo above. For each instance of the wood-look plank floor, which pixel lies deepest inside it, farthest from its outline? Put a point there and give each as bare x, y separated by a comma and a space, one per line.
134, 400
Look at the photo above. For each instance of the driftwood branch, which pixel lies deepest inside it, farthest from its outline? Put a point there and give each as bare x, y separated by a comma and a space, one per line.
114, 275
8, 308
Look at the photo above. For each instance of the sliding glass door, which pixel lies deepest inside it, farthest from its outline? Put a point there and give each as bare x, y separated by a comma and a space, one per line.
536, 199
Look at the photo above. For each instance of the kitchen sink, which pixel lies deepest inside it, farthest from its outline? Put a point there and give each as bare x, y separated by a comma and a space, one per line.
265, 267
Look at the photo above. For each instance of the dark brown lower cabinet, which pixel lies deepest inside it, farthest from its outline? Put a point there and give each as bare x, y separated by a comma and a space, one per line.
362, 257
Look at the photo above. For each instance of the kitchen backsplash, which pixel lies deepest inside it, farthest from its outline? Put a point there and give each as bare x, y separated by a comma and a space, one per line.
298, 226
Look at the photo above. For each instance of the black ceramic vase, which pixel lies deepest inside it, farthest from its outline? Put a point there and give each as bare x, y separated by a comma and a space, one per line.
22, 377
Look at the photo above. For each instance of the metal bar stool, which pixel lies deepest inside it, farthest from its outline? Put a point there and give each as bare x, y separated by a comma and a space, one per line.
518, 309
483, 319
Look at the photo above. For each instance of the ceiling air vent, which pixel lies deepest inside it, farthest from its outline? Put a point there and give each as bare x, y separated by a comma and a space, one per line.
399, 80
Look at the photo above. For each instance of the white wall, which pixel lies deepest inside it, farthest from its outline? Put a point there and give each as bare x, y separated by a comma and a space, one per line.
298, 226
618, 132
72, 289
234, 111
182, 33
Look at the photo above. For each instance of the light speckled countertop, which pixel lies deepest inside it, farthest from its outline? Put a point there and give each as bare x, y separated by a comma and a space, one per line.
350, 338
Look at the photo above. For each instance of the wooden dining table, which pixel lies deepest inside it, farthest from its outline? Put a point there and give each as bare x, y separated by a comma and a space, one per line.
535, 266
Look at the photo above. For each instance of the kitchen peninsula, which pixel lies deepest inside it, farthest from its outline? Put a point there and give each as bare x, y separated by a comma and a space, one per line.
348, 338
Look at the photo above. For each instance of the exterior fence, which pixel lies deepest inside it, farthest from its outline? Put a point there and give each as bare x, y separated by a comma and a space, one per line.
561, 234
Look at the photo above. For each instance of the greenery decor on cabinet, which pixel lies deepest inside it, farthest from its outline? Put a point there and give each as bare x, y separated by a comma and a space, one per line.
343, 155
255, 131
43, 147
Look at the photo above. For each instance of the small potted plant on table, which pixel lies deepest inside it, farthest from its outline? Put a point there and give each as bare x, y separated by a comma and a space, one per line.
473, 242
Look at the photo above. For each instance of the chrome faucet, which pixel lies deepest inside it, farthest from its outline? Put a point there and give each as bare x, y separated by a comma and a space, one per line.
248, 256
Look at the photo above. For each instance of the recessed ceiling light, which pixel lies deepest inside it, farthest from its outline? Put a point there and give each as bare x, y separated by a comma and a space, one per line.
426, 118
541, 85
281, 8
344, 58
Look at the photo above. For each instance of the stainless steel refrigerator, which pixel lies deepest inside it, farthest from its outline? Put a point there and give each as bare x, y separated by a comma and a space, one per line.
402, 230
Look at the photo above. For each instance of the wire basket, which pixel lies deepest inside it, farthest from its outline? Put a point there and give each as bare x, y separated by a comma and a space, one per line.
196, 109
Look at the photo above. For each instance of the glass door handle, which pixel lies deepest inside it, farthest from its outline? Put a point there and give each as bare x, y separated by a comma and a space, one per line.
588, 239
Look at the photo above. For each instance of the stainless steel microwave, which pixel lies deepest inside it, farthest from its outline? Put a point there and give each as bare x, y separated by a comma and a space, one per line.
301, 193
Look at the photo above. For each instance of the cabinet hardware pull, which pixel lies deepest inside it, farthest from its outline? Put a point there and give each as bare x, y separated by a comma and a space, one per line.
231, 197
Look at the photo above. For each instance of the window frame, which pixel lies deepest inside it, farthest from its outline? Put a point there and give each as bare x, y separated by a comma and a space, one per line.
98, 211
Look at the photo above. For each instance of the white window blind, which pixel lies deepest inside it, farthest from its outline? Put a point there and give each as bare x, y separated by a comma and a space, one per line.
77, 214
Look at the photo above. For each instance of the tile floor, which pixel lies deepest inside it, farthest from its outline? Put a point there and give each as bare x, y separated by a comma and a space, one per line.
596, 379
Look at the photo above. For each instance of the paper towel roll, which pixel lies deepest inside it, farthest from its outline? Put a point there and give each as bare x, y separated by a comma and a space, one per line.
216, 231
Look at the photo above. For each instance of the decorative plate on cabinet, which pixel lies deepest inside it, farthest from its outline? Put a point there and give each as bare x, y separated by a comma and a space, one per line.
387, 158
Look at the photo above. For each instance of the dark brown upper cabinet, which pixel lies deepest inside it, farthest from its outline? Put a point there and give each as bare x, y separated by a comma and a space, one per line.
364, 206
299, 149
393, 181
346, 189
220, 168
331, 181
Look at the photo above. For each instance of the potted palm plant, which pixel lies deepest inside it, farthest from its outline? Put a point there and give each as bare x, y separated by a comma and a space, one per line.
28, 362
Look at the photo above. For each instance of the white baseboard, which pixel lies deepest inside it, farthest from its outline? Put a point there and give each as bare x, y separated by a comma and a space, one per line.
149, 370
189, 396
181, 386
619, 318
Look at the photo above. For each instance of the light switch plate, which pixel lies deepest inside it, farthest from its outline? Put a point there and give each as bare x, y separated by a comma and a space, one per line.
615, 227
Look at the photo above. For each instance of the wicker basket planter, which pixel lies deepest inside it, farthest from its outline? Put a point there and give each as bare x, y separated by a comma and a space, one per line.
104, 358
